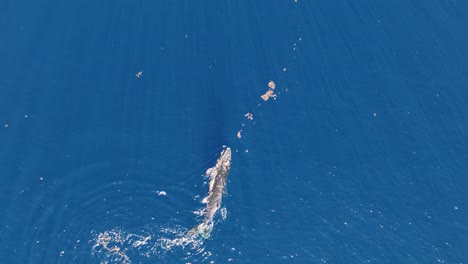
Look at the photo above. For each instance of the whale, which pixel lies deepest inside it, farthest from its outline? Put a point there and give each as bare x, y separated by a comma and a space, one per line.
218, 178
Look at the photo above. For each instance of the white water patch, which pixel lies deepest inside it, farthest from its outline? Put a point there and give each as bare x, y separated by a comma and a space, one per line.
200, 212
223, 212
120, 246
142, 242
111, 246
175, 238
161, 193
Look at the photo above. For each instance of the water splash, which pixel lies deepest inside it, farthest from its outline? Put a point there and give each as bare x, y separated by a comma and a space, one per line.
120, 246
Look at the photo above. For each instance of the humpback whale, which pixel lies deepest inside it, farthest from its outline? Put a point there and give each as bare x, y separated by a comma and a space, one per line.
218, 178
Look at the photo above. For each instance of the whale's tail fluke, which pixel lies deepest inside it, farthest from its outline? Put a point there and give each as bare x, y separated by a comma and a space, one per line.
203, 229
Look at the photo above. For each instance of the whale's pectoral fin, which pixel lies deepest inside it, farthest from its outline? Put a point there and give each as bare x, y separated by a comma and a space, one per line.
208, 172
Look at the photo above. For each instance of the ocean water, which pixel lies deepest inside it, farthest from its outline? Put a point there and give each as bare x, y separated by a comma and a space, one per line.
360, 158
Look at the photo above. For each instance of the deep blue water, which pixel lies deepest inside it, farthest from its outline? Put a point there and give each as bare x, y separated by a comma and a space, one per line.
362, 158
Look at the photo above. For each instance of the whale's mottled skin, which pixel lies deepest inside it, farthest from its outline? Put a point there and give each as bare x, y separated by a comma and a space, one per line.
218, 178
